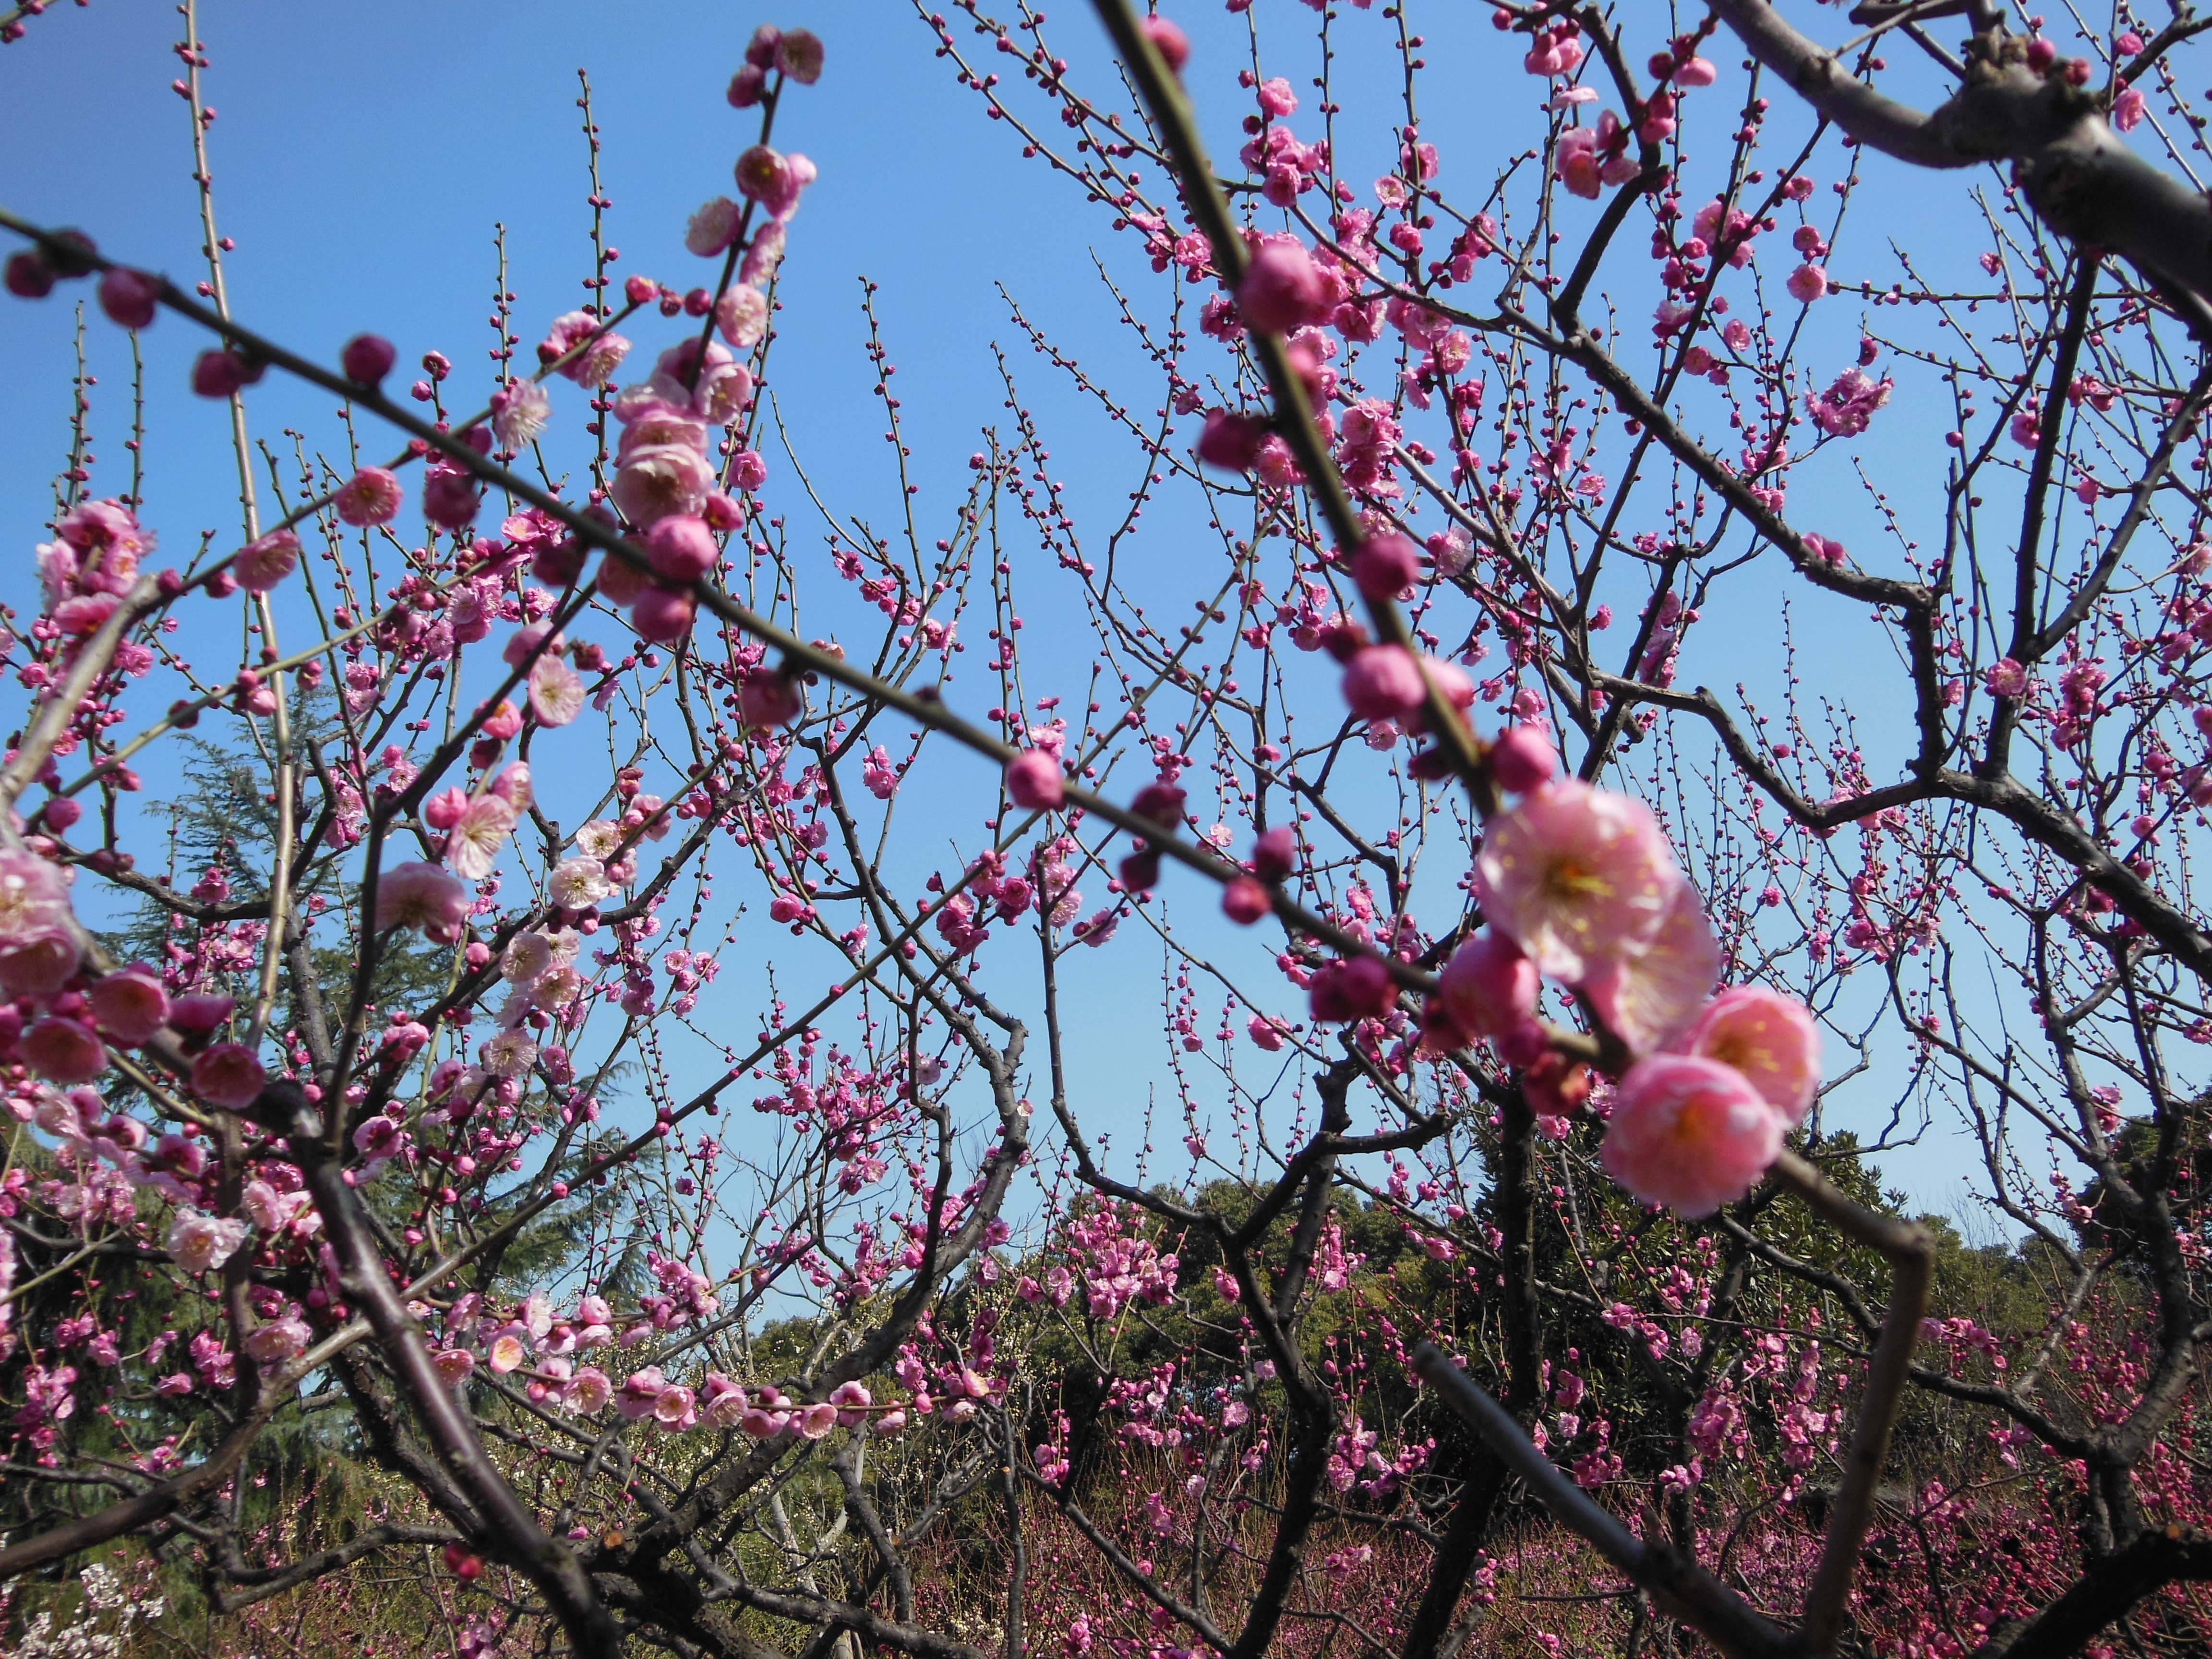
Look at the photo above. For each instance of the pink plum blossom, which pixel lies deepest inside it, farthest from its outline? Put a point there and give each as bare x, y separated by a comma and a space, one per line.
64, 1051
201, 1244
371, 496
260, 565
478, 834
557, 691
228, 1074
1649, 999
1689, 1134
418, 895
1770, 1038
1576, 876
1489, 986
598, 362
129, 1004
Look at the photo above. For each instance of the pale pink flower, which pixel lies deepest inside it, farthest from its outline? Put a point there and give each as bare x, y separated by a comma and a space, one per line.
2005, 678
482, 831
557, 691
522, 413
201, 1243
579, 883
511, 785
422, 896
741, 315
37, 949
1689, 1134
65, 1051
712, 227
510, 1054
721, 387
723, 1402
260, 565
228, 1074
1576, 876
278, 1340
587, 1391
1650, 998
507, 1350
1770, 1038
129, 1004
762, 1424
674, 1409
660, 479
851, 1400
370, 496
597, 364
453, 1365
817, 1420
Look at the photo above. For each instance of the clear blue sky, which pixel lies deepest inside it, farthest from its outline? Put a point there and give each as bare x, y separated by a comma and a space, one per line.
362, 155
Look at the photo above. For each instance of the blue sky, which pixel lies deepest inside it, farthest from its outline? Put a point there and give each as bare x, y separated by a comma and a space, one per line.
363, 155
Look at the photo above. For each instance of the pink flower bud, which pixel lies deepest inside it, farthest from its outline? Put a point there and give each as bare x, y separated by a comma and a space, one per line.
1246, 900
1275, 854
1231, 439
1282, 289
1522, 758
760, 51
1489, 986
768, 699
218, 373
28, 276
664, 615
746, 86
449, 498
1385, 566
682, 547
200, 1013
128, 297
367, 359
1034, 782
1383, 683
1170, 42
443, 810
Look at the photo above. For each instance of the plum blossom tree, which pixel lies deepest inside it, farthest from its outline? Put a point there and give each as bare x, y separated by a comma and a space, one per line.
1528, 1282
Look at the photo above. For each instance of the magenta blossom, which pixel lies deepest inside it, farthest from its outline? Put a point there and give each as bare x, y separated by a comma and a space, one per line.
260, 565
228, 1074
64, 1051
371, 496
